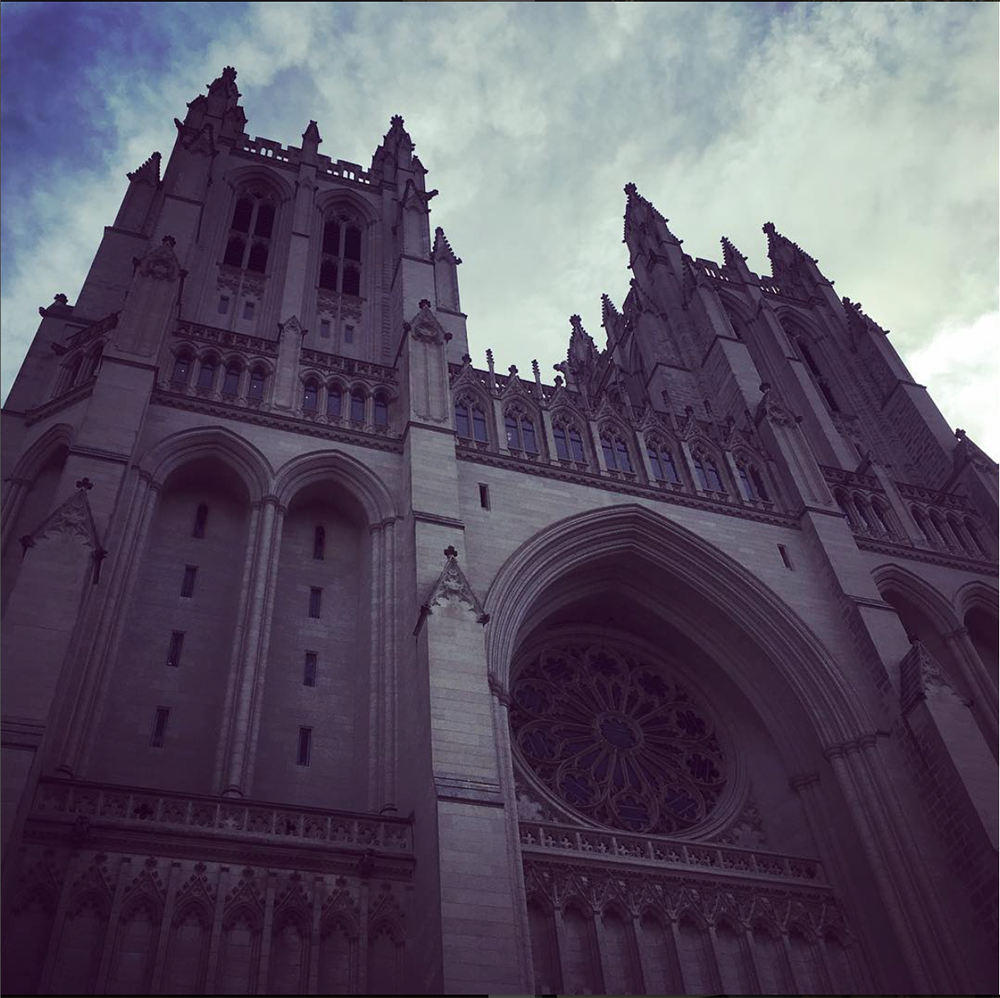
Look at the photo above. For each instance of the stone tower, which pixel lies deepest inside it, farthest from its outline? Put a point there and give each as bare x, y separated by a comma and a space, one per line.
336, 664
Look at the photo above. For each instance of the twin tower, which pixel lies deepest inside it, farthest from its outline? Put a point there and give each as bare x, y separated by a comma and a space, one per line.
336, 664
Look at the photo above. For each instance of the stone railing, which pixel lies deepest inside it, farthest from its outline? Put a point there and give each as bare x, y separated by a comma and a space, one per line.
564, 840
251, 347
103, 804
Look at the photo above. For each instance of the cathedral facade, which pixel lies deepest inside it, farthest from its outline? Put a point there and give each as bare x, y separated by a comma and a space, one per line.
335, 663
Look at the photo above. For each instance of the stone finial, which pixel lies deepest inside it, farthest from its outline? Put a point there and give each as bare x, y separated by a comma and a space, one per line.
60, 299
169, 241
311, 134
450, 552
85, 483
396, 121
512, 370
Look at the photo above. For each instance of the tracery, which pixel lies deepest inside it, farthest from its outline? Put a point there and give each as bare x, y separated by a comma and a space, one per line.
617, 739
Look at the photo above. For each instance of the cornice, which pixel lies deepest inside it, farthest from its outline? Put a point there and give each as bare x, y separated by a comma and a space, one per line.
55, 405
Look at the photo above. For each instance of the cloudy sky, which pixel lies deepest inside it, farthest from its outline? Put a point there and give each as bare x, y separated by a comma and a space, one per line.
867, 133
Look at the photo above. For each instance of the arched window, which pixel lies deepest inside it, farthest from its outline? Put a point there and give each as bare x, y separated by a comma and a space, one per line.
569, 443
334, 400
662, 461
845, 507
310, 396
939, 528
883, 518
357, 406
923, 525
708, 473
319, 543
616, 453
182, 368
251, 230
94, 361
381, 410
470, 421
258, 379
231, 382
956, 528
864, 513
520, 432
340, 259
973, 531
200, 519
206, 374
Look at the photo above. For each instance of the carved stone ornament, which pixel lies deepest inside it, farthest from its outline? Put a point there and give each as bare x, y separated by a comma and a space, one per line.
73, 517
161, 263
919, 675
452, 586
425, 327
292, 326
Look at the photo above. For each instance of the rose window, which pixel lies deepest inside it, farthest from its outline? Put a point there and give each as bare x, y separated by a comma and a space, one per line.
616, 739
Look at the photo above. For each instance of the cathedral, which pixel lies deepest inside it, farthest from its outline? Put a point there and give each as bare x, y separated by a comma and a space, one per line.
338, 663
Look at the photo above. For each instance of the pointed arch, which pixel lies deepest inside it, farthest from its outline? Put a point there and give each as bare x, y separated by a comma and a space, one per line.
367, 488
217, 442
919, 592
819, 702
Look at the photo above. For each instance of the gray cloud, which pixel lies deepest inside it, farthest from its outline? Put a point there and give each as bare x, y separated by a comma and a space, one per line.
868, 133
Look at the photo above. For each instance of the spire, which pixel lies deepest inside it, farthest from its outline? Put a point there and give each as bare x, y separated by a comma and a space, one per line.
790, 264
149, 172
395, 151
644, 225
731, 256
608, 311
442, 248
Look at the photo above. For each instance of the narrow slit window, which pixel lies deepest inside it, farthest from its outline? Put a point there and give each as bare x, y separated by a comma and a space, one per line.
305, 746
479, 425
381, 411
309, 669
319, 543
200, 521
187, 586
248, 309
231, 383
348, 330
783, 551
174, 651
315, 602
206, 376
159, 732
562, 448
309, 398
324, 328
223, 304
357, 407
484, 496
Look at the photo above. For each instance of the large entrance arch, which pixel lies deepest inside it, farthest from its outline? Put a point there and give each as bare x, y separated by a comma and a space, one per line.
634, 574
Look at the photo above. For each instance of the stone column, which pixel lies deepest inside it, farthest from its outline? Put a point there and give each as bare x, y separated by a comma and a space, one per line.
238, 760
976, 674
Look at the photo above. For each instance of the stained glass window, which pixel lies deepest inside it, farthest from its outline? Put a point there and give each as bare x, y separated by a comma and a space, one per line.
617, 739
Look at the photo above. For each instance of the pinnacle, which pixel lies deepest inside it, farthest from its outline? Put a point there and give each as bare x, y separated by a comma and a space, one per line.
312, 132
442, 248
149, 171
730, 253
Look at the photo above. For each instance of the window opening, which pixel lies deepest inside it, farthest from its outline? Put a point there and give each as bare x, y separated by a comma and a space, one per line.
231, 382
783, 551
348, 334
341, 243
333, 400
305, 746
319, 543
257, 379
381, 411
250, 232
159, 732
324, 328
206, 376
315, 601
357, 407
200, 519
174, 651
223, 304
182, 368
310, 397
248, 307
187, 586
309, 669
484, 496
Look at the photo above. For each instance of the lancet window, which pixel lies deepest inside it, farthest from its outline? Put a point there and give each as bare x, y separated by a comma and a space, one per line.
340, 262
182, 368
569, 442
251, 230
258, 380
616, 452
470, 421
520, 429
661, 459
752, 485
709, 478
